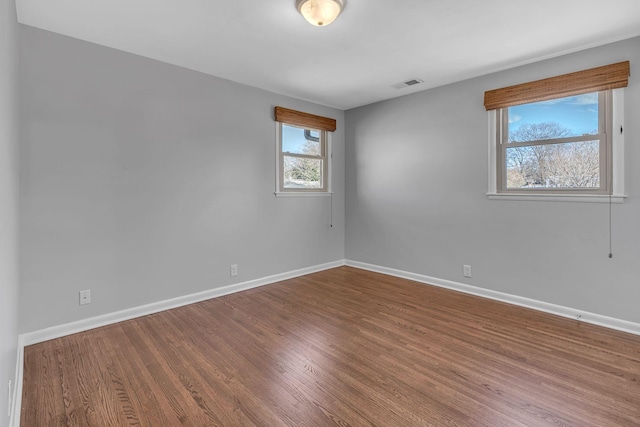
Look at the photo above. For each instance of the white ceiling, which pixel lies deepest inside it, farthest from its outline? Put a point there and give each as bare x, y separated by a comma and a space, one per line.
357, 60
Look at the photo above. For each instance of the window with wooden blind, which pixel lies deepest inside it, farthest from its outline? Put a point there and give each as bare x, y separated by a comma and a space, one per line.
303, 163
560, 136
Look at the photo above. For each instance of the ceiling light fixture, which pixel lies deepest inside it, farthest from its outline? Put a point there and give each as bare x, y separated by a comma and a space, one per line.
320, 12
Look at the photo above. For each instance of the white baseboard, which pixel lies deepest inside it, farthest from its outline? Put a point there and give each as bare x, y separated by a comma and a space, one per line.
35, 337
559, 310
54, 332
16, 401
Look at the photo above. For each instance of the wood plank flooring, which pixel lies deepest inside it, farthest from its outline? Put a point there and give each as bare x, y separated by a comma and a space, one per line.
344, 347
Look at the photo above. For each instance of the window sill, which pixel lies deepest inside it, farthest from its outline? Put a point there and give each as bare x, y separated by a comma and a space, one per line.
579, 198
303, 194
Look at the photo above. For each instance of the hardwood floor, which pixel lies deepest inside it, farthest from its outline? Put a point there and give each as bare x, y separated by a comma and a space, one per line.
344, 347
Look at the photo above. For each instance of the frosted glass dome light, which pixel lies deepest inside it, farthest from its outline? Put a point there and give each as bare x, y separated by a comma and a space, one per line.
320, 12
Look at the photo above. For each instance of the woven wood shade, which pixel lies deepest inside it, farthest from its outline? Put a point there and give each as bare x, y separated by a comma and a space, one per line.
306, 120
595, 79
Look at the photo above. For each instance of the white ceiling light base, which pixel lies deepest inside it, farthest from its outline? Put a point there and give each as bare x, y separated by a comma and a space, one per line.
320, 12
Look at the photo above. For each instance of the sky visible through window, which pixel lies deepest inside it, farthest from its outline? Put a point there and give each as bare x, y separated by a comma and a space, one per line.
578, 113
293, 140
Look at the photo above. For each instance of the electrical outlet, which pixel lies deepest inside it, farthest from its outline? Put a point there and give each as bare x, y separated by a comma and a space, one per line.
85, 297
234, 270
466, 270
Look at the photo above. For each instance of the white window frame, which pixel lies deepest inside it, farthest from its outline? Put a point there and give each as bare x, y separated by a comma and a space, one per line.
325, 140
616, 175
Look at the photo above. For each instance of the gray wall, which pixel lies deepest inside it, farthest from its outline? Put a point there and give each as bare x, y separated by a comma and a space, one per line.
143, 181
416, 183
8, 200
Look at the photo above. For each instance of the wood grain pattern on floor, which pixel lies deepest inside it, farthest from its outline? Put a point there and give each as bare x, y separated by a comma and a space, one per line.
343, 347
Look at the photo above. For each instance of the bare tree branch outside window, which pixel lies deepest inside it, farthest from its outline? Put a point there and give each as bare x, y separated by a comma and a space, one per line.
555, 165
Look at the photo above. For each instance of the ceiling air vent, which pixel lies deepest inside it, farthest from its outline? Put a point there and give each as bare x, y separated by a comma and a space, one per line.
407, 83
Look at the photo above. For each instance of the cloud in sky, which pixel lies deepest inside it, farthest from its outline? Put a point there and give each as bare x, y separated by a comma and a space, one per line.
552, 101
586, 99
513, 118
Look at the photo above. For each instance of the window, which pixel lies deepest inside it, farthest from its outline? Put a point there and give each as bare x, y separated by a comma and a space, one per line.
303, 159
559, 137
303, 153
558, 145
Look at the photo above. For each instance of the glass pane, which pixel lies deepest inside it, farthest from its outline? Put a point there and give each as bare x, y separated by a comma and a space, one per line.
300, 141
567, 165
302, 173
556, 118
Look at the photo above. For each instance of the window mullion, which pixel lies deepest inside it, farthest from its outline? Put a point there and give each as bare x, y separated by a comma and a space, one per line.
303, 156
581, 138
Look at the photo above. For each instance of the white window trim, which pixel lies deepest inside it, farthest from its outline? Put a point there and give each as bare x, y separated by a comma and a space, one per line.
617, 163
327, 193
